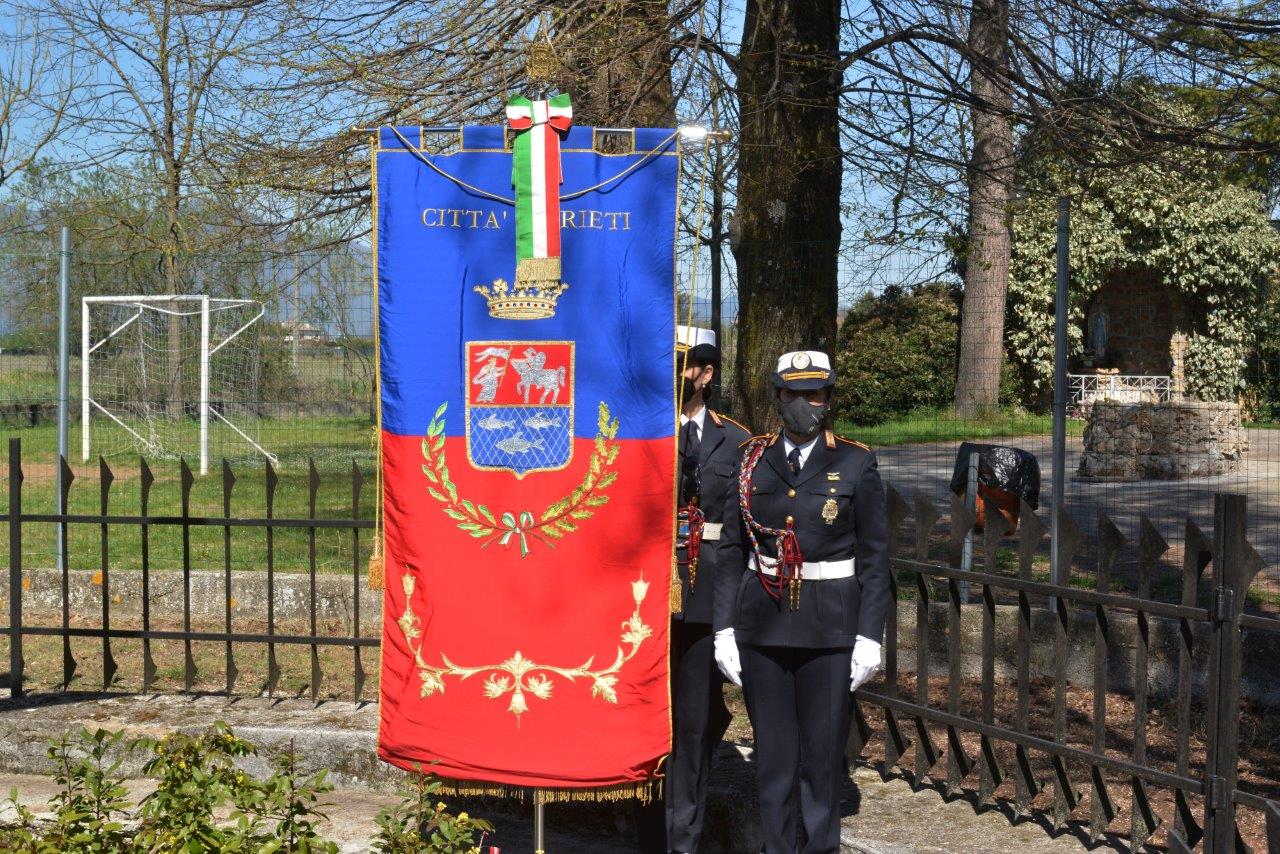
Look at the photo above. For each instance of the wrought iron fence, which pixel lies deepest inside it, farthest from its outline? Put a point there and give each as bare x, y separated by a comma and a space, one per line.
143, 525
1205, 793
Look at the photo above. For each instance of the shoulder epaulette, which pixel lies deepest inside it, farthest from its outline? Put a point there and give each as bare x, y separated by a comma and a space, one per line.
771, 437
720, 419
830, 439
852, 442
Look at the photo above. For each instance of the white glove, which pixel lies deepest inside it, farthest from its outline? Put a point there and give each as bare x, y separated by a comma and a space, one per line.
726, 652
866, 661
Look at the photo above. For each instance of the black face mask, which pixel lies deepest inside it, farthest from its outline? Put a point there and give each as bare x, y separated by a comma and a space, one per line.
801, 417
687, 390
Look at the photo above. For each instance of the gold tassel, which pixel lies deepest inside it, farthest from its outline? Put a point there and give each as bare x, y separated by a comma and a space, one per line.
676, 597
377, 570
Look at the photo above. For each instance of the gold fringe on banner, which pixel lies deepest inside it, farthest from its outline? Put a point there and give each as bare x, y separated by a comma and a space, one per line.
646, 791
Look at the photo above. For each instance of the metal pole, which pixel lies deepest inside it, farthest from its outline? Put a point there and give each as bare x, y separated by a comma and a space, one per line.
84, 381
971, 502
1056, 571
204, 384
15, 567
539, 826
64, 320
717, 237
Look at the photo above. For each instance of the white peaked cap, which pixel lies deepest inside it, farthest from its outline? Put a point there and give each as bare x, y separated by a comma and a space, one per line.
803, 360
688, 337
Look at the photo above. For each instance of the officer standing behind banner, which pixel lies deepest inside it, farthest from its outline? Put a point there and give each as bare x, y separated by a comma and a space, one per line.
708, 458
802, 626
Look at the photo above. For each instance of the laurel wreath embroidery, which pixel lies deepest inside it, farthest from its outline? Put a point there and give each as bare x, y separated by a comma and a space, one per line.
558, 519
519, 676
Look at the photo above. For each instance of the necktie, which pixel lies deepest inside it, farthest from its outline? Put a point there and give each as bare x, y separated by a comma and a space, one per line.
689, 464
793, 459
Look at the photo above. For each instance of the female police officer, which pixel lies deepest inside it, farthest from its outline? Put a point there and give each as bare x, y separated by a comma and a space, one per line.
800, 615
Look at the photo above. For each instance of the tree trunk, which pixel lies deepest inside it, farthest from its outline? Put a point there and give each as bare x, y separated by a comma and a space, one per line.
618, 64
788, 191
990, 174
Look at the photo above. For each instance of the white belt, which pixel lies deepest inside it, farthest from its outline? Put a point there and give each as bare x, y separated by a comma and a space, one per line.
811, 570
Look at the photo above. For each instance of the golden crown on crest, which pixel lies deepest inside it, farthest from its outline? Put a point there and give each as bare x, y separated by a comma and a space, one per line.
534, 295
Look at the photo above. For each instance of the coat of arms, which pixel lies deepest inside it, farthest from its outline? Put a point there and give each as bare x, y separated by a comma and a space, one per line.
520, 405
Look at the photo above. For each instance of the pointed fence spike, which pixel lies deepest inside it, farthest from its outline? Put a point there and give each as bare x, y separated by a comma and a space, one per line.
1191, 832
148, 667
105, 475
927, 516
960, 765
109, 669
895, 743
316, 675
992, 776
896, 510
69, 663
1102, 810
273, 672
1065, 796
146, 476
926, 753
1142, 818
358, 688
859, 733
1176, 844
962, 522
1027, 785
1198, 549
187, 477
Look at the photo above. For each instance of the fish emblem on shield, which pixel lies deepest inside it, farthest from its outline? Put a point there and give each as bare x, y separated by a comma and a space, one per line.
520, 405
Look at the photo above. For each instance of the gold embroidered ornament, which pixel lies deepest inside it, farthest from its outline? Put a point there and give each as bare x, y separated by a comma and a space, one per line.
559, 518
519, 676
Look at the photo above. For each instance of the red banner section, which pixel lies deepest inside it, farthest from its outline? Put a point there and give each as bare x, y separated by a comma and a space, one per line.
562, 663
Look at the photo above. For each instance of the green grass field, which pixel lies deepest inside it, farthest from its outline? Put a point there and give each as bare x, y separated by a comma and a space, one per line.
332, 443
942, 425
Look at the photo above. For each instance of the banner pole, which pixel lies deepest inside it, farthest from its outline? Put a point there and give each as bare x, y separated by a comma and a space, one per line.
539, 825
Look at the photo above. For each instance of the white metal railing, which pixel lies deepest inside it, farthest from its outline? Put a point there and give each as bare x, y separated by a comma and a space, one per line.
1123, 388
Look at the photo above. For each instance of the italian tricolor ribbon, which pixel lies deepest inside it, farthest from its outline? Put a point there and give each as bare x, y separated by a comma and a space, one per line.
536, 174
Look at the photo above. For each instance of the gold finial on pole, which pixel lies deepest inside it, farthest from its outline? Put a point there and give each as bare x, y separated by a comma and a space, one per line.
542, 63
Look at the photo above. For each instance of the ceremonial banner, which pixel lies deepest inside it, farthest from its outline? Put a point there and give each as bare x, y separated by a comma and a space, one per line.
528, 419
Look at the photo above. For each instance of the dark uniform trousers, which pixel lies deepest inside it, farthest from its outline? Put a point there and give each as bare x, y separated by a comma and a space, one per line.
796, 663
699, 715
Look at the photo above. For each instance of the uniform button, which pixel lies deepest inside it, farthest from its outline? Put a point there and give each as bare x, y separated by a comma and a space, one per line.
833, 489
790, 520
791, 493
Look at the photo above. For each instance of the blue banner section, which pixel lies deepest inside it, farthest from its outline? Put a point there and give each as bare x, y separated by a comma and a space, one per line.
441, 234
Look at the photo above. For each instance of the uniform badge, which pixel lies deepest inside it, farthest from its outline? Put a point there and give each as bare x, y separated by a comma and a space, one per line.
520, 405
833, 475
830, 510
800, 361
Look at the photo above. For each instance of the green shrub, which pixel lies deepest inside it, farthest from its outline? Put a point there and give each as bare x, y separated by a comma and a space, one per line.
197, 776
896, 353
421, 823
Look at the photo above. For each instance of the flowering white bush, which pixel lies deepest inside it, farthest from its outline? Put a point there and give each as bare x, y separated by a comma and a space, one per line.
1206, 238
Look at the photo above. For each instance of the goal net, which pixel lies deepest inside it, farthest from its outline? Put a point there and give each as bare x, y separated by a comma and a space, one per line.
171, 376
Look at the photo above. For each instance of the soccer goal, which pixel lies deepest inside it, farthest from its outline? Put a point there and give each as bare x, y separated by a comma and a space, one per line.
171, 376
